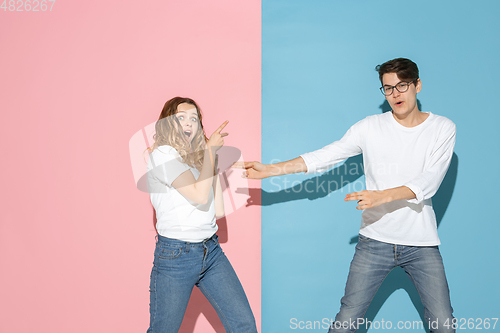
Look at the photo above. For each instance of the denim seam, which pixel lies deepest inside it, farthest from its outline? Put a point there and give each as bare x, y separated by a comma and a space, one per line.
426, 310
203, 260
413, 280
156, 305
363, 315
216, 306
419, 295
376, 292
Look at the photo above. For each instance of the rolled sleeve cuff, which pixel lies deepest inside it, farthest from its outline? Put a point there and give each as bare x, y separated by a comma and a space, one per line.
419, 195
311, 168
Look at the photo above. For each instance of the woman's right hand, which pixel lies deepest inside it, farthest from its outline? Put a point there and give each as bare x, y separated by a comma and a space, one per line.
216, 140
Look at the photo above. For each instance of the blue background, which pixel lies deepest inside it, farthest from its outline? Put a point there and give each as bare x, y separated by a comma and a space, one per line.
318, 79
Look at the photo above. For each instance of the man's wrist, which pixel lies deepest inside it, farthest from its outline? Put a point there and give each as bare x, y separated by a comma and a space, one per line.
272, 170
387, 196
397, 193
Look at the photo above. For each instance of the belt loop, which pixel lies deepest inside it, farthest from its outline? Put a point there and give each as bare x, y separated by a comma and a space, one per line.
187, 247
156, 238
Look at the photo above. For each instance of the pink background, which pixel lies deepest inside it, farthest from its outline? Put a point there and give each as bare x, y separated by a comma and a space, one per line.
77, 237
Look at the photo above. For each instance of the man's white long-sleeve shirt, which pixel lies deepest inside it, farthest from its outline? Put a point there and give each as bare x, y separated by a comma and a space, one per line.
394, 155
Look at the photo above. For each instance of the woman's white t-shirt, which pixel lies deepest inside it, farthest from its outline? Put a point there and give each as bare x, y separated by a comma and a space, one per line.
177, 217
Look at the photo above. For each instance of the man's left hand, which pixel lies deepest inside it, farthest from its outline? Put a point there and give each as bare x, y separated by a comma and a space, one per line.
367, 199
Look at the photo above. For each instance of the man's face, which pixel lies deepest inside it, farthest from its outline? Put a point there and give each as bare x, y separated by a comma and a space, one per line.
404, 103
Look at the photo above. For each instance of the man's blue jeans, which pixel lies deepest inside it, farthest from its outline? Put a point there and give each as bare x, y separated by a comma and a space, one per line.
373, 260
178, 267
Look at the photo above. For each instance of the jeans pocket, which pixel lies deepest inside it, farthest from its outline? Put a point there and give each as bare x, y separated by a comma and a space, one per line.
169, 253
364, 238
364, 243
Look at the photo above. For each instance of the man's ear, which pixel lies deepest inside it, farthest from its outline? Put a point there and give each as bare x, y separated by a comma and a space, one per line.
418, 85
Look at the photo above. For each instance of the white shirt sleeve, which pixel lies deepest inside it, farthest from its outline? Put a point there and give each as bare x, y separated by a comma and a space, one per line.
325, 158
427, 183
166, 165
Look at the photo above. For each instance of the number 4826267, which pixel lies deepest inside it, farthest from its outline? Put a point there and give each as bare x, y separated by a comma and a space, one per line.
471, 323
27, 5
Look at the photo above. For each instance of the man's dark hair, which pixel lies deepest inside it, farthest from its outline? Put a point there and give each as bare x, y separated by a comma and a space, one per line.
405, 69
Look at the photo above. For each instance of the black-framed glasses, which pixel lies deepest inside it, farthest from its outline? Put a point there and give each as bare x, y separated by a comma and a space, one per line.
401, 87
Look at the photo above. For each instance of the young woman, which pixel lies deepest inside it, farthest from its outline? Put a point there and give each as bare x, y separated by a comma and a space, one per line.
187, 196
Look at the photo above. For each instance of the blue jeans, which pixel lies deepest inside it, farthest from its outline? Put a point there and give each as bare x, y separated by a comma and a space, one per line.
178, 267
372, 262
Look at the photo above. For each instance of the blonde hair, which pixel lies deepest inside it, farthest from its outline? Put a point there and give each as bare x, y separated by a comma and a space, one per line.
169, 132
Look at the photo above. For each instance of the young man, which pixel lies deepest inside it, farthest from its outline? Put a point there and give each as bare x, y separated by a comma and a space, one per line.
406, 154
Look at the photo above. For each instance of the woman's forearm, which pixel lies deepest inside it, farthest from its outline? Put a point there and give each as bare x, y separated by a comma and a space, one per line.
218, 198
204, 183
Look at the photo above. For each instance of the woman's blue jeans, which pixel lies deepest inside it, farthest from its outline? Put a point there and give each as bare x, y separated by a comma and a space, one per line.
178, 267
372, 262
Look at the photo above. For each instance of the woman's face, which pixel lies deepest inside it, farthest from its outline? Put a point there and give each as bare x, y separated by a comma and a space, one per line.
188, 117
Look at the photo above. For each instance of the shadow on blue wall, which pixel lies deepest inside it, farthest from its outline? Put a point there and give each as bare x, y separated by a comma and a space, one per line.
343, 175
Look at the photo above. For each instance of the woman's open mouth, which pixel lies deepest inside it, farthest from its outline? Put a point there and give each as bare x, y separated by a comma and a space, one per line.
187, 134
